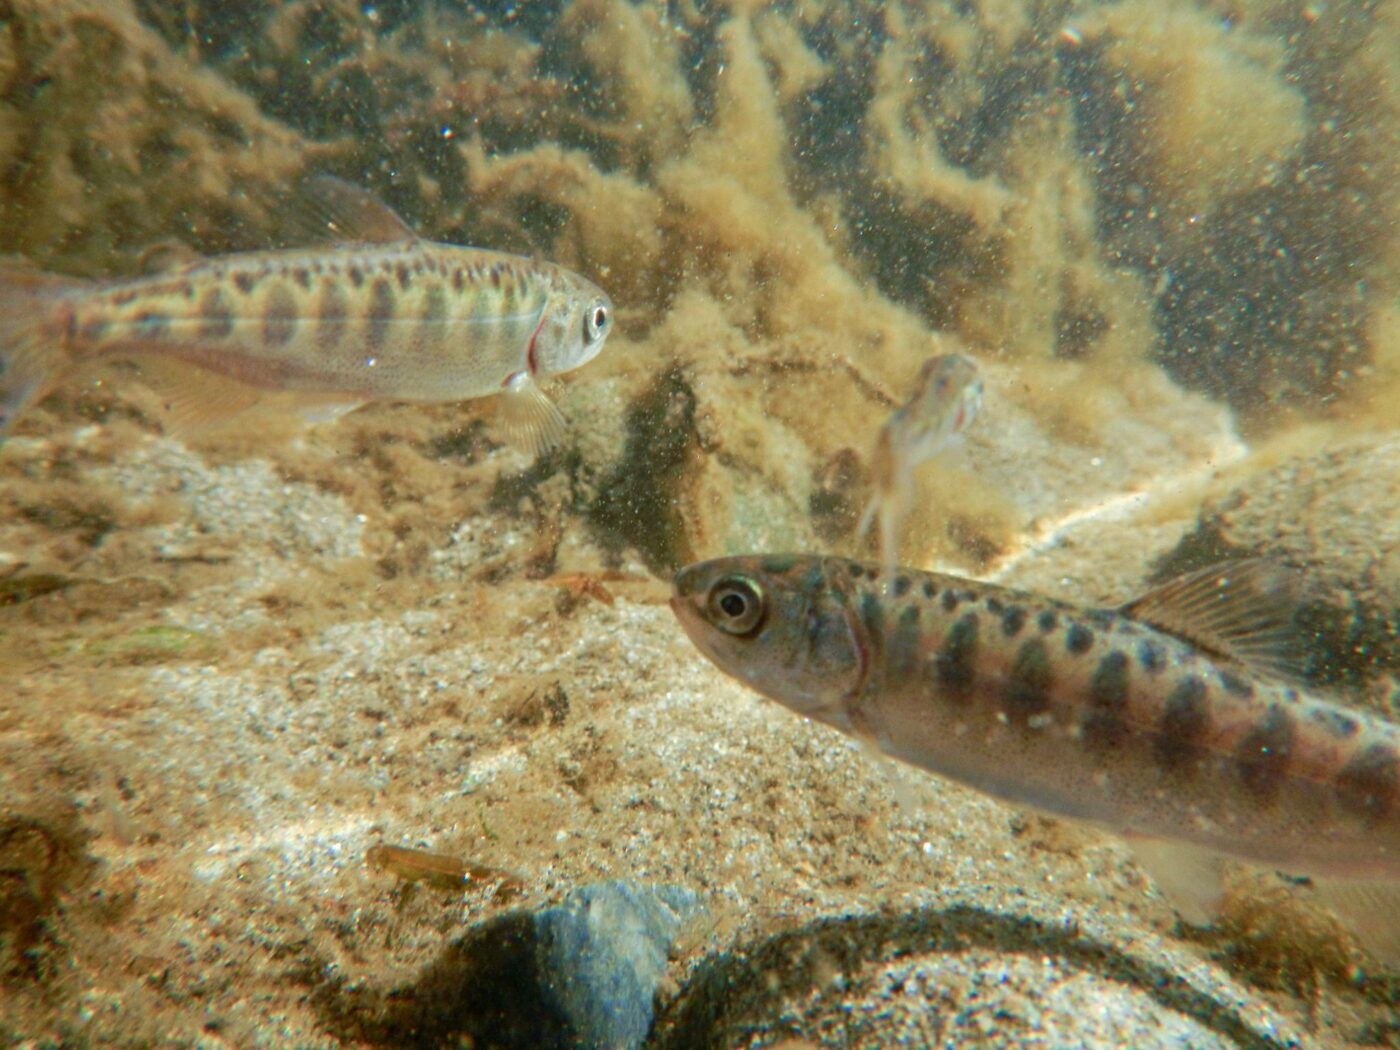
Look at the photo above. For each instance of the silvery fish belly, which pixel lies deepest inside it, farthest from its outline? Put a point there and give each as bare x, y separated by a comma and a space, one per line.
378, 315
1157, 720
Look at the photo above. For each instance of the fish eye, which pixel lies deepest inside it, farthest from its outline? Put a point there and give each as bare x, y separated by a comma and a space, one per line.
736, 605
595, 321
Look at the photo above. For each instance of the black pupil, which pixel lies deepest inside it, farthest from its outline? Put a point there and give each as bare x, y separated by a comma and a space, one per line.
733, 604
600, 318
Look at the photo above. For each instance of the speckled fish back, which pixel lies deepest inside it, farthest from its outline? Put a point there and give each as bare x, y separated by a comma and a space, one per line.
1092, 714
412, 321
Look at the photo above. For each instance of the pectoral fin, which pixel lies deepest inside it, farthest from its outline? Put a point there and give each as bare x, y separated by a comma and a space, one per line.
529, 419
194, 402
1189, 877
1370, 909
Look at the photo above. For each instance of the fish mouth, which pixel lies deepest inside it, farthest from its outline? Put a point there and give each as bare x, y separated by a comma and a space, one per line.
688, 618
683, 606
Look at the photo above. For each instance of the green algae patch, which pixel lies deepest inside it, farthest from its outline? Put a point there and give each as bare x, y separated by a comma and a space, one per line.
149, 645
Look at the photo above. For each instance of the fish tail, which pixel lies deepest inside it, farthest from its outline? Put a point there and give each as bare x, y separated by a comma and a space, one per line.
31, 344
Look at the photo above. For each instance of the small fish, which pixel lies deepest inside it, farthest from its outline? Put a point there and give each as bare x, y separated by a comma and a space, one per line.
1164, 720
439, 870
947, 397
379, 314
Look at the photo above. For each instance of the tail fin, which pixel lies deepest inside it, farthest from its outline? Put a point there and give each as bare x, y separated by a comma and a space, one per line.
30, 347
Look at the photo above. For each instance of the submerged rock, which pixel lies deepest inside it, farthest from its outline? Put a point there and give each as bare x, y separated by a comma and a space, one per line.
1037, 975
602, 953
581, 975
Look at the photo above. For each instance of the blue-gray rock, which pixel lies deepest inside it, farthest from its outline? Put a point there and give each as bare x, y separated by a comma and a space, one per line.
602, 953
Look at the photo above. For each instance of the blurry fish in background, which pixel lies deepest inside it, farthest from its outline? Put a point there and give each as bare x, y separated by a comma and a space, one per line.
378, 314
1166, 720
947, 397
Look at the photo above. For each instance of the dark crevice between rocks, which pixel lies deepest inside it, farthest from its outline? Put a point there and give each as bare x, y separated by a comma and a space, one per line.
739, 993
482, 991
636, 504
580, 974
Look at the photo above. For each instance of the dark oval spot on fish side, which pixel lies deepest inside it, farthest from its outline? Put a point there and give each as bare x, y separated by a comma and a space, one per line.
381, 314
1184, 722
1369, 783
1105, 724
332, 314
1079, 639
434, 310
1047, 621
93, 331
901, 586
1028, 685
302, 276
1338, 724
1150, 656
356, 274
905, 645
930, 591
1236, 685
279, 315
1012, 620
872, 614
152, 324
215, 316
245, 281
950, 600
1263, 755
955, 664
403, 276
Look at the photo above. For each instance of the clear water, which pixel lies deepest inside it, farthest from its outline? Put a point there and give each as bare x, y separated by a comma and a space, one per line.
238, 660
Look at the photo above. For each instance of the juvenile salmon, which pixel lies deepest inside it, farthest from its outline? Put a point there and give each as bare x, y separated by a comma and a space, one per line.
1154, 720
946, 398
379, 314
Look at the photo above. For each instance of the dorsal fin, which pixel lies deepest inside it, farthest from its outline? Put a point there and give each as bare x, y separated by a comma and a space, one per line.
1243, 610
325, 208
166, 256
